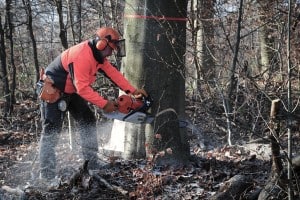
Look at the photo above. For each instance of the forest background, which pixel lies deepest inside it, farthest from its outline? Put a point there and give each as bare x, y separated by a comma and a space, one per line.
240, 56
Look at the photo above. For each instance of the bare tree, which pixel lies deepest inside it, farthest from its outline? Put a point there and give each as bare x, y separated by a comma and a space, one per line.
74, 12
200, 45
269, 57
9, 21
63, 30
6, 90
28, 10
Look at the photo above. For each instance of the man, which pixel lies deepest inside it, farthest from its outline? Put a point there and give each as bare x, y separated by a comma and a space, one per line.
70, 76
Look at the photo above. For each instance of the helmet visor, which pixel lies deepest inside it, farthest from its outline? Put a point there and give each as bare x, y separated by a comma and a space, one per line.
121, 50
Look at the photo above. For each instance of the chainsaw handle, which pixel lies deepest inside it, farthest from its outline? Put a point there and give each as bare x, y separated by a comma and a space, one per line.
139, 93
110, 106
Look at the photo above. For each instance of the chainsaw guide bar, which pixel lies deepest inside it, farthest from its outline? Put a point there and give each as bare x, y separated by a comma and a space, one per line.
136, 118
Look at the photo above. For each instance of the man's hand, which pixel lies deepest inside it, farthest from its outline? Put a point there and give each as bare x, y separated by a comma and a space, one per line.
139, 93
110, 106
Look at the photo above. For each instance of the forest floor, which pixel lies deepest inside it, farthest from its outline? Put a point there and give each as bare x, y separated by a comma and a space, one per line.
211, 165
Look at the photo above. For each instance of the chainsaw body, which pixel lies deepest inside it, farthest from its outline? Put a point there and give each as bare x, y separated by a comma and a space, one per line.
132, 110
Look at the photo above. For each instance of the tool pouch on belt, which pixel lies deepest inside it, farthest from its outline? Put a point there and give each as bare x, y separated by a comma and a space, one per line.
47, 91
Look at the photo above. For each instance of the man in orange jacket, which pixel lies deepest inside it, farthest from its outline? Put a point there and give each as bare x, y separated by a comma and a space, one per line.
72, 73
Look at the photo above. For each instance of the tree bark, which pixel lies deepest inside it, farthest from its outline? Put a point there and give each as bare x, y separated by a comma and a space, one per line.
74, 12
4, 70
11, 100
276, 181
132, 66
155, 60
63, 31
204, 39
277, 166
232, 78
201, 42
27, 5
71, 18
269, 57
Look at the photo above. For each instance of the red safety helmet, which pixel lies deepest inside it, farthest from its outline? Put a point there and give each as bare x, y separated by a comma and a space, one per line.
109, 36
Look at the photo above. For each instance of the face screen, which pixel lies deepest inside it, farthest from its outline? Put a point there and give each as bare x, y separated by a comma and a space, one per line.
121, 50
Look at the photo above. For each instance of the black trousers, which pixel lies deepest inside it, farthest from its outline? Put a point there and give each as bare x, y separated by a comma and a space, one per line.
52, 121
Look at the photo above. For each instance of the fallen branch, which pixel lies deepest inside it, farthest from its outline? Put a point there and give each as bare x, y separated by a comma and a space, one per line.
233, 188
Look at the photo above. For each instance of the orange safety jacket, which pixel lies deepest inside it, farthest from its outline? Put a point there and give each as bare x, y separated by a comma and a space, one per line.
85, 68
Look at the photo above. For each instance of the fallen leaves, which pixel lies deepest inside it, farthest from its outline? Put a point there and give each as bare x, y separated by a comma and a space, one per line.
207, 171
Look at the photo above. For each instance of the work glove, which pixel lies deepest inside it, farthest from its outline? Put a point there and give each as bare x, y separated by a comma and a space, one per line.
110, 106
139, 93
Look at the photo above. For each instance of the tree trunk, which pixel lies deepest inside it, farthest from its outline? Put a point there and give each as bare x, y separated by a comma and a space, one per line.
201, 35
276, 182
232, 77
74, 12
228, 98
193, 70
78, 21
205, 35
156, 34
71, 18
132, 67
11, 99
4, 70
268, 52
134, 146
27, 5
63, 30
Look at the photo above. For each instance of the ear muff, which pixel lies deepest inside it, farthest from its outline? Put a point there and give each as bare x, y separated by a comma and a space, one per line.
101, 44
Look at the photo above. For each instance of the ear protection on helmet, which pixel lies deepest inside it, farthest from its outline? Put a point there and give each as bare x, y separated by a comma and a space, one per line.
101, 43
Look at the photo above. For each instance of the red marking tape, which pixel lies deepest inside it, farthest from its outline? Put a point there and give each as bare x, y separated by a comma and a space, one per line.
156, 17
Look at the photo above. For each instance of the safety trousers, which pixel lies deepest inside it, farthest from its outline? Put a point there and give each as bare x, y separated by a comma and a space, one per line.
52, 121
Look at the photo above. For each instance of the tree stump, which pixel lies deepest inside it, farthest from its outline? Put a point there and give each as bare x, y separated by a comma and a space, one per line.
277, 180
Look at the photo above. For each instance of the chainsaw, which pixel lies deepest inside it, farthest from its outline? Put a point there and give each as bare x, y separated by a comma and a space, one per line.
132, 110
